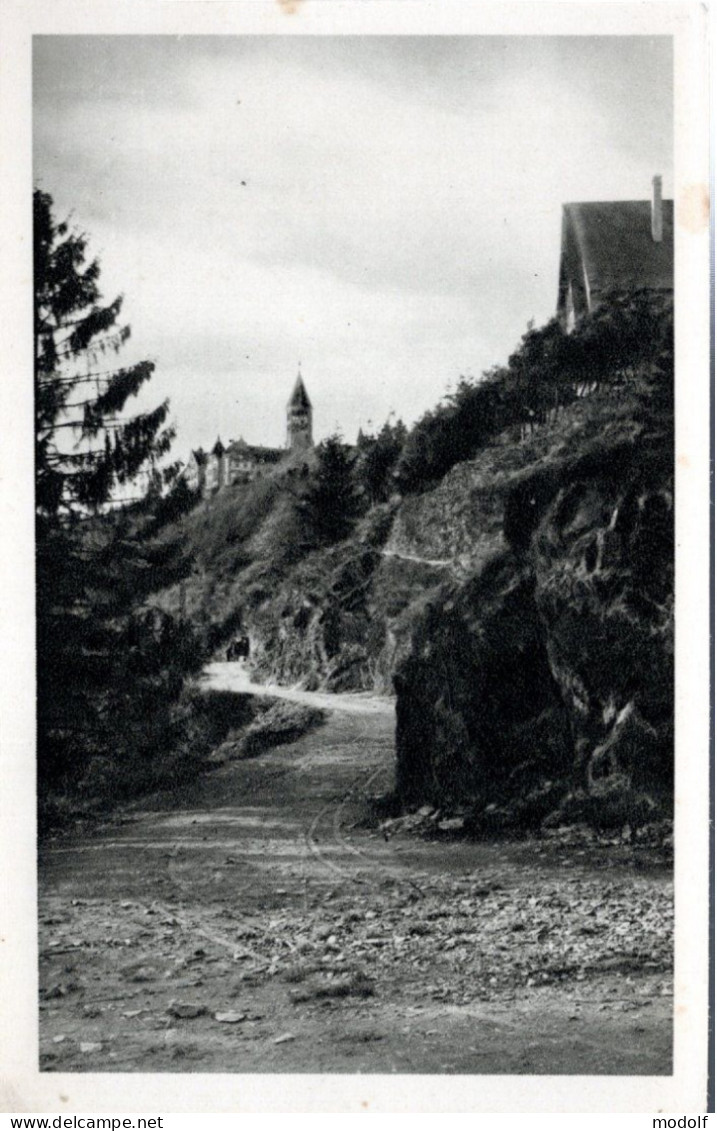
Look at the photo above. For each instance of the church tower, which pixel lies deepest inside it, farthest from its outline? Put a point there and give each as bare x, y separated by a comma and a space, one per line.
298, 418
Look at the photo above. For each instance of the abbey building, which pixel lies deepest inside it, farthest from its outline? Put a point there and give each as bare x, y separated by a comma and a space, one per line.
240, 462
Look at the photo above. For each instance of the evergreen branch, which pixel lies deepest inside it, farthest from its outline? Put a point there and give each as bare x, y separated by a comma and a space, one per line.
98, 321
124, 384
113, 342
77, 378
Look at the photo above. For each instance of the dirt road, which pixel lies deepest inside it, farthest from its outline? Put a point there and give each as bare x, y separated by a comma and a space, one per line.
268, 926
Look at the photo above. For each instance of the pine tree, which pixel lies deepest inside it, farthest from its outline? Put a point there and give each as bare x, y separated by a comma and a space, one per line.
376, 459
85, 448
110, 667
331, 501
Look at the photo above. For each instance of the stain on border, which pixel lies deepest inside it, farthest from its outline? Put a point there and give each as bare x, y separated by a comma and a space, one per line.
693, 208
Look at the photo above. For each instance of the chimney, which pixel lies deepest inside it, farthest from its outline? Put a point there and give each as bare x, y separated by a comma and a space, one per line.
657, 209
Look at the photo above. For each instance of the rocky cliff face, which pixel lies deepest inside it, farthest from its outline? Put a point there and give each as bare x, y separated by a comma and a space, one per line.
541, 686
603, 561
340, 618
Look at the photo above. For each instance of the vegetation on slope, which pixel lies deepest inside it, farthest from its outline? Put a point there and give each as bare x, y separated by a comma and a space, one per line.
548, 371
257, 544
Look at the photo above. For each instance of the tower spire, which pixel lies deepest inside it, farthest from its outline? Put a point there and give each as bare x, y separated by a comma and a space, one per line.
298, 417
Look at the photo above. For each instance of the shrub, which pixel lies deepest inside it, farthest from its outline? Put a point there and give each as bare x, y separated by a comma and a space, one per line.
282, 723
626, 341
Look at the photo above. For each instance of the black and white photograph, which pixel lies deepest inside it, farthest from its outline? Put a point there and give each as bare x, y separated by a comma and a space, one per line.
360, 739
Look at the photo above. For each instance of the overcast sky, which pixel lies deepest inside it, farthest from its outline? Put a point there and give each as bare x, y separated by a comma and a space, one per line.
385, 209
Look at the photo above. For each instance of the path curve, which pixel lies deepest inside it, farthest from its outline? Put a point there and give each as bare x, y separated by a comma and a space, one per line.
235, 676
442, 563
266, 894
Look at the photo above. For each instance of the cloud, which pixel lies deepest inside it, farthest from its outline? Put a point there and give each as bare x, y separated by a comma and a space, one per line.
388, 209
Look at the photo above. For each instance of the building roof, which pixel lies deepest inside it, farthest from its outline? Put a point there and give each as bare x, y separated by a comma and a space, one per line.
218, 449
299, 397
268, 455
237, 446
609, 246
242, 450
200, 456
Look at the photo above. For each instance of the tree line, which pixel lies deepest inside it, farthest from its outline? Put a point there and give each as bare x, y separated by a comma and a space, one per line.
626, 343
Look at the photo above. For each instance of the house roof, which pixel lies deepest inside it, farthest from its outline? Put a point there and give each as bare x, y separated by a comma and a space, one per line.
241, 449
299, 397
609, 246
267, 455
200, 456
218, 449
